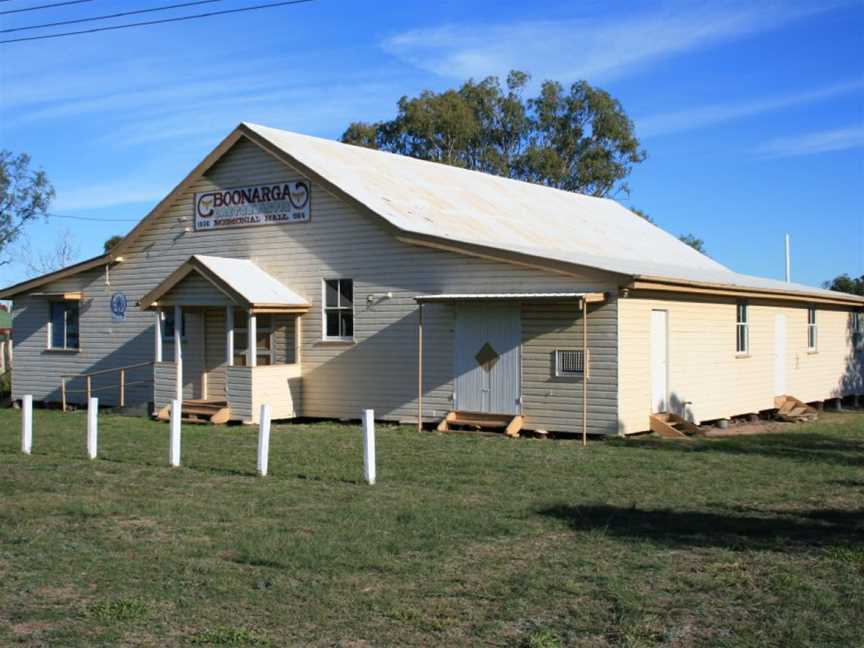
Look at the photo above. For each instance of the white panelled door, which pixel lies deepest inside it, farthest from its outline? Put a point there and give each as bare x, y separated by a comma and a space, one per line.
487, 358
659, 361
779, 355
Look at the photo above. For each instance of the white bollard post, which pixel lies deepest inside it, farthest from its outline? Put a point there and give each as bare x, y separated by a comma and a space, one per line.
92, 427
27, 424
264, 440
174, 449
369, 445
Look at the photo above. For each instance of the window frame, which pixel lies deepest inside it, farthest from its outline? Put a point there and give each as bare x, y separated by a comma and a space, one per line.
857, 329
169, 337
243, 329
580, 361
812, 330
65, 304
742, 325
338, 308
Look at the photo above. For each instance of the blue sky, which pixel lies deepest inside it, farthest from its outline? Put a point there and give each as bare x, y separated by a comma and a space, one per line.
752, 113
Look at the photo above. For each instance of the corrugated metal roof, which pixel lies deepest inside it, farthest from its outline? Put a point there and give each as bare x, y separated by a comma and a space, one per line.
475, 208
251, 282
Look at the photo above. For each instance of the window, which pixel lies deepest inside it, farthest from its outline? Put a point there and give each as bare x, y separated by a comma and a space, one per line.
569, 364
742, 331
339, 309
64, 325
168, 324
857, 328
811, 329
263, 335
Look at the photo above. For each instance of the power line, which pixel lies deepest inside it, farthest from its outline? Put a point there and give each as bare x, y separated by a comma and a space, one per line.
47, 6
157, 22
95, 219
107, 16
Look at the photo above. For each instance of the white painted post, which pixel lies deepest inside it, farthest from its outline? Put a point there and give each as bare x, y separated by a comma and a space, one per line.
174, 450
178, 350
264, 440
229, 335
252, 346
92, 427
27, 424
157, 342
369, 445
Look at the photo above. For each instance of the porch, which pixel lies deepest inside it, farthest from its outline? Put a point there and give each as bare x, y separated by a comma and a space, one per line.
519, 360
227, 340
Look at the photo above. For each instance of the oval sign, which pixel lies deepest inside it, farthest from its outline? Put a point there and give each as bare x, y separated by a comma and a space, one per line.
118, 306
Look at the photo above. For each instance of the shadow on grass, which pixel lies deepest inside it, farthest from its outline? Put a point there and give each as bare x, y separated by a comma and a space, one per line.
782, 531
797, 446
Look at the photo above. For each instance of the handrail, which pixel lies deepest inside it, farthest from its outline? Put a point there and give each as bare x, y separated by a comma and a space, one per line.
104, 371
88, 377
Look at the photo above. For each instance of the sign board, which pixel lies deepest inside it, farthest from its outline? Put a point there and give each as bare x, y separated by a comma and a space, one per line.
119, 304
270, 204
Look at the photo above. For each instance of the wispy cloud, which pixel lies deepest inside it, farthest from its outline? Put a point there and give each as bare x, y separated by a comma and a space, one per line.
840, 139
110, 194
701, 116
596, 48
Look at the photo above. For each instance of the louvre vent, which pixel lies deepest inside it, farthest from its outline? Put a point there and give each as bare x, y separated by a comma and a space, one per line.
569, 363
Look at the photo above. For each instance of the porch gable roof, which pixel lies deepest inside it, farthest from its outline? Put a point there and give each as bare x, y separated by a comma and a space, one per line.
241, 280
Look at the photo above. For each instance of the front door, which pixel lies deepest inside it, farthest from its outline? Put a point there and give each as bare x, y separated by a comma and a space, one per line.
779, 355
487, 358
659, 361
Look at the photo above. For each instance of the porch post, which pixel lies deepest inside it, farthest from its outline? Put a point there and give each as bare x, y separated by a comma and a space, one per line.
158, 341
178, 349
252, 328
585, 371
229, 336
420, 367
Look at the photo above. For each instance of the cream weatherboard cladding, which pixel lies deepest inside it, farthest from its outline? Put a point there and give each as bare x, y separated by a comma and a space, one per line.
708, 380
338, 379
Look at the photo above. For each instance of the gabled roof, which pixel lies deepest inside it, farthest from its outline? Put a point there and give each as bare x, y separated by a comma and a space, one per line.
469, 207
240, 280
437, 204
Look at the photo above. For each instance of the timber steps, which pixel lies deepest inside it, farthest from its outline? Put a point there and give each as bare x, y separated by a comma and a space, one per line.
511, 424
673, 426
199, 411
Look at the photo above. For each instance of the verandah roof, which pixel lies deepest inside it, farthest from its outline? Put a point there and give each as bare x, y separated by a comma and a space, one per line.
452, 297
241, 280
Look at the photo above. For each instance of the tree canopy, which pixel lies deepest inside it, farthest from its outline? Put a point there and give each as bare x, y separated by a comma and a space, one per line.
111, 242
845, 283
693, 241
577, 138
25, 194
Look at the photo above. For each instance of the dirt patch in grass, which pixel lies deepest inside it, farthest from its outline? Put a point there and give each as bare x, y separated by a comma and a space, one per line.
30, 628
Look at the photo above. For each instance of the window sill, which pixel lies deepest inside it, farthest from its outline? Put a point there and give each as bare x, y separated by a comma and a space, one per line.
64, 351
337, 342
742, 355
812, 351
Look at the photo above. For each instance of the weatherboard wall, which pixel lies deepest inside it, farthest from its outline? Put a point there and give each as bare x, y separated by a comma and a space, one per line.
708, 380
379, 369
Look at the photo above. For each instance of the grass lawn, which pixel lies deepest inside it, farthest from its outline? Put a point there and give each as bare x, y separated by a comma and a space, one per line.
467, 540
